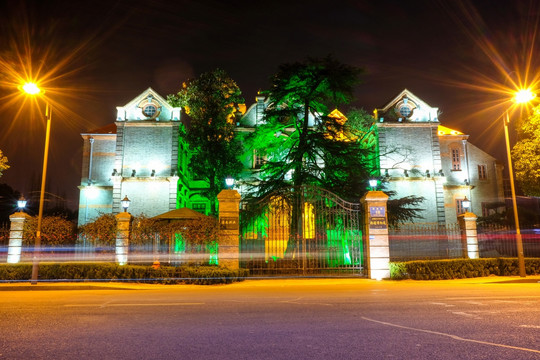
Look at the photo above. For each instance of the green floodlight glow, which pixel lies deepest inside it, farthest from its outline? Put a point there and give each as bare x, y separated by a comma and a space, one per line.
213, 250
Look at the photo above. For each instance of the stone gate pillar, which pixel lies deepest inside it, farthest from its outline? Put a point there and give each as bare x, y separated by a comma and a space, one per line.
469, 237
16, 236
123, 230
229, 230
376, 229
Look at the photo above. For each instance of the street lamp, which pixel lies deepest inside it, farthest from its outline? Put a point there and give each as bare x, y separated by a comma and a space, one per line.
522, 96
373, 183
229, 181
125, 203
21, 203
32, 89
466, 203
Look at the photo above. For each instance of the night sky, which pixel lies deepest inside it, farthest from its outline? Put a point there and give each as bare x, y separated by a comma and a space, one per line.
96, 55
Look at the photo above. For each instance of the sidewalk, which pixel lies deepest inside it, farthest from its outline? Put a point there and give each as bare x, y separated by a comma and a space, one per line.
266, 282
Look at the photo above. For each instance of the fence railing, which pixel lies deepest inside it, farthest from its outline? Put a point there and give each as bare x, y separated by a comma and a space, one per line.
431, 241
500, 241
425, 241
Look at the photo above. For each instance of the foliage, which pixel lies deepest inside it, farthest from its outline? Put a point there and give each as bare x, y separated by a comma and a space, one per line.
55, 231
8, 202
3, 163
203, 275
212, 103
4, 234
403, 210
303, 144
200, 231
461, 268
526, 154
100, 232
359, 121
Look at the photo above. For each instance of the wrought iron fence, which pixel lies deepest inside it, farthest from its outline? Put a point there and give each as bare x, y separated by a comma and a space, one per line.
303, 231
500, 241
425, 241
432, 241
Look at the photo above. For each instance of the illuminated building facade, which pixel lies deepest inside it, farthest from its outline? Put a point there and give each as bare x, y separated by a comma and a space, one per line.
419, 156
143, 157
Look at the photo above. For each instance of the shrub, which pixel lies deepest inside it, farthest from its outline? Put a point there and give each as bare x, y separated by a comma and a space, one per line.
460, 268
100, 232
55, 231
203, 275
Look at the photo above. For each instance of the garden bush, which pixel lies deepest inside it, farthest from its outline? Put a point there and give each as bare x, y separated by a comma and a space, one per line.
461, 268
202, 275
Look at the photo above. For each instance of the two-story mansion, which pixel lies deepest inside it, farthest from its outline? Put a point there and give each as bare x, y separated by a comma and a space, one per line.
142, 156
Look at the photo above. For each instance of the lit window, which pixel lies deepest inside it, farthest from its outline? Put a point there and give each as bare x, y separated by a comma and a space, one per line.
405, 111
259, 158
149, 110
482, 172
199, 207
456, 160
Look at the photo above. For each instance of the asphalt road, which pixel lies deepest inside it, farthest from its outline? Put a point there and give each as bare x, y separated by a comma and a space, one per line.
489, 318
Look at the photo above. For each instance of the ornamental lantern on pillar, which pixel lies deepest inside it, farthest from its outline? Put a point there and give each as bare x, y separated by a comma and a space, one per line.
125, 203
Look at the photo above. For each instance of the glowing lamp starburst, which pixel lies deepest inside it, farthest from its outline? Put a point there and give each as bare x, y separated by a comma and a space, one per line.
31, 88
524, 96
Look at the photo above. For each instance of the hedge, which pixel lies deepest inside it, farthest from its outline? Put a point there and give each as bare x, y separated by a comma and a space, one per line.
203, 275
461, 268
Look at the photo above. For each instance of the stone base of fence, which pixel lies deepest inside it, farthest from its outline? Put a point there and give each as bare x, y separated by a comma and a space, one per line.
229, 229
377, 245
16, 236
467, 223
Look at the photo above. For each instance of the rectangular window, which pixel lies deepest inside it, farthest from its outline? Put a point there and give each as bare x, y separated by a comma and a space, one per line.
199, 207
259, 158
459, 206
456, 160
482, 172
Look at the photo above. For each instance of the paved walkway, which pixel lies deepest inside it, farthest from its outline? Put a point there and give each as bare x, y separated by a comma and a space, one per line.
279, 282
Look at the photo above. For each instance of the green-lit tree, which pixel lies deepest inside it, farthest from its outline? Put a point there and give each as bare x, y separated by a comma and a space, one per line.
526, 154
211, 101
303, 141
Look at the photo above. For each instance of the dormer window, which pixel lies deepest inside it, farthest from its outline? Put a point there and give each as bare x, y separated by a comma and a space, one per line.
149, 110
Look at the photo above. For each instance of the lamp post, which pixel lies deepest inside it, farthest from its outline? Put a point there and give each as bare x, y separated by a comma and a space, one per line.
466, 203
21, 203
521, 97
125, 203
33, 89
229, 181
373, 184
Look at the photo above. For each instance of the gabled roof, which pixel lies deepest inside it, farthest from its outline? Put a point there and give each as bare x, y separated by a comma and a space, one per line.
144, 95
407, 108
133, 110
401, 95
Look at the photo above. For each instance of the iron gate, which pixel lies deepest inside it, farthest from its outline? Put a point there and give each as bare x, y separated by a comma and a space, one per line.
304, 230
